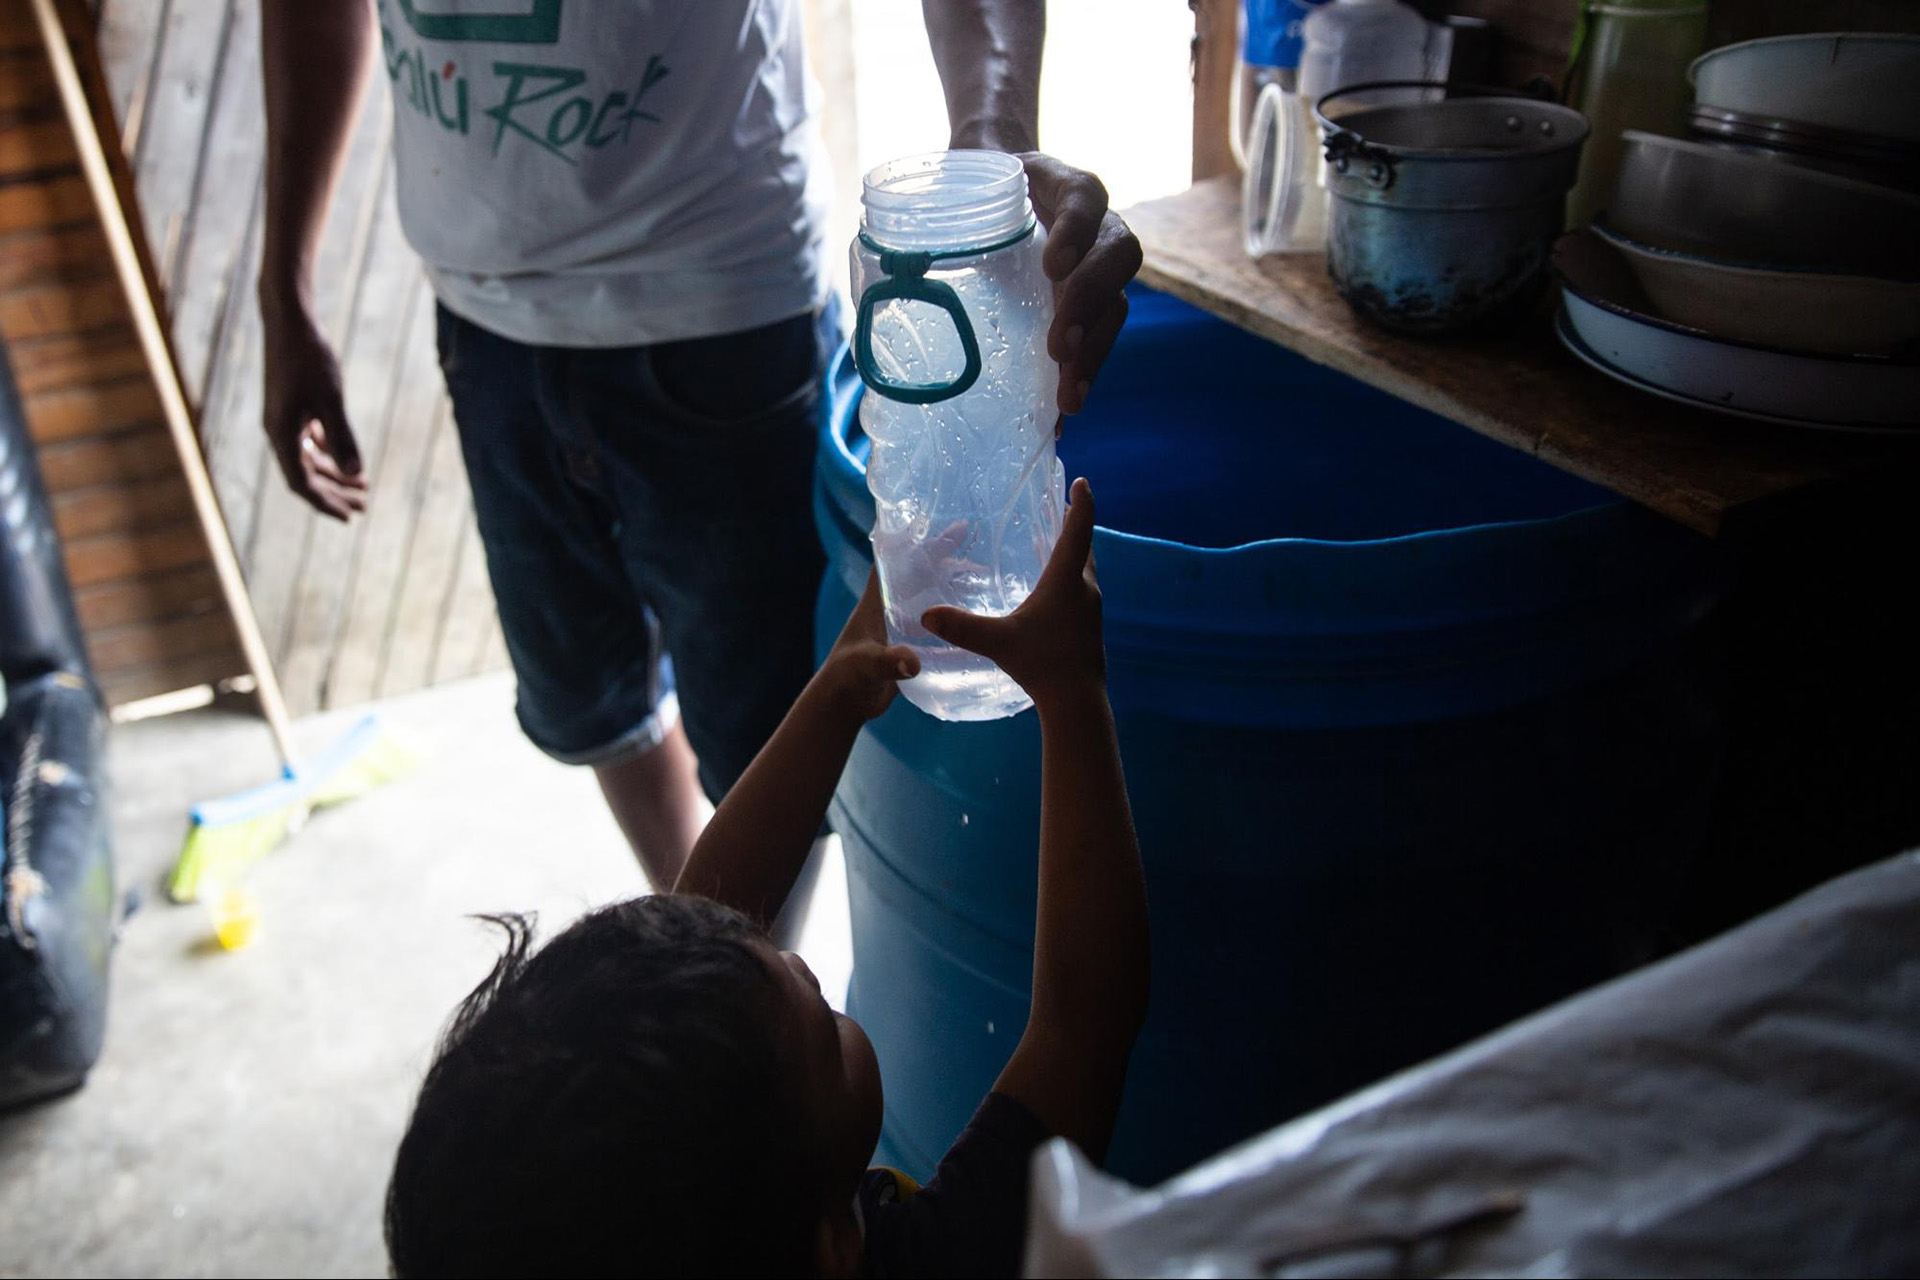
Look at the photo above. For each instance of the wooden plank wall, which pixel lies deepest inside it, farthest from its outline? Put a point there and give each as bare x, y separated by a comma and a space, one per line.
399, 599
143, 583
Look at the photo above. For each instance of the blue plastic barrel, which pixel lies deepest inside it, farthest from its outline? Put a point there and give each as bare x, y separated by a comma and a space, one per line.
1412, 726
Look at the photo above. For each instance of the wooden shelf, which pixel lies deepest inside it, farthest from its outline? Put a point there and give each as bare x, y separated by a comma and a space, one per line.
1522, 388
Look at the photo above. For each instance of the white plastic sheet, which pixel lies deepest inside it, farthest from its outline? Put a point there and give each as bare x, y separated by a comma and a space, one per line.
1751, 1106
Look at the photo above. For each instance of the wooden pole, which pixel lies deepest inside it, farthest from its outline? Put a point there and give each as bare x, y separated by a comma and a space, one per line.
1215, 63
166, 378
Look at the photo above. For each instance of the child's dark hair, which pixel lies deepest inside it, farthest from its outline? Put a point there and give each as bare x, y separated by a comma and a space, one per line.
614, 1104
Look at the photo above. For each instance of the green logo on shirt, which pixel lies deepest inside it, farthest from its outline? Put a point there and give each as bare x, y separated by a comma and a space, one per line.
537, 22
551, 107
574, 119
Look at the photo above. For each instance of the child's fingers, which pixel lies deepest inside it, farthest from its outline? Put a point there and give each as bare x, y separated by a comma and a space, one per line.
901, 663
886, 664
867, 621
1076, 536
867, 609
970, 631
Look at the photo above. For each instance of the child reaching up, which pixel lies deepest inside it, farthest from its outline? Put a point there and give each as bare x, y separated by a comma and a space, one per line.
659, 1091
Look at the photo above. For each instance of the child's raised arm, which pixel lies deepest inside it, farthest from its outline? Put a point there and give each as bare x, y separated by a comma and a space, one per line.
1090, 962
753, 849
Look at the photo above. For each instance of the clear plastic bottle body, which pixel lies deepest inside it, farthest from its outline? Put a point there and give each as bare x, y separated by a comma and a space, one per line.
968, 495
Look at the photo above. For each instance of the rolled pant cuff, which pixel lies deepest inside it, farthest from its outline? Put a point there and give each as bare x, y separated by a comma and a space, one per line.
632, 744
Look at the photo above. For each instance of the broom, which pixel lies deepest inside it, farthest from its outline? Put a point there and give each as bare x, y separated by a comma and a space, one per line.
225, 836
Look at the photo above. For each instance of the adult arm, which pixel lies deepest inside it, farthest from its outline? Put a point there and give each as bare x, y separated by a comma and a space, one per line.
314, 60
988, 55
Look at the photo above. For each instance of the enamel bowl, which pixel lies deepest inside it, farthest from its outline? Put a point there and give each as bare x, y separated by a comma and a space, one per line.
1795, 308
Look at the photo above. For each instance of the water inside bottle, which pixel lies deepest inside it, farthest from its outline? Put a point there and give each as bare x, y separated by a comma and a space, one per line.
968, 496
983, 552
956, 685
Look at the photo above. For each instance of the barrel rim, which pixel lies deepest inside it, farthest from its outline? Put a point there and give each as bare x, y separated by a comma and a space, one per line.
847, 391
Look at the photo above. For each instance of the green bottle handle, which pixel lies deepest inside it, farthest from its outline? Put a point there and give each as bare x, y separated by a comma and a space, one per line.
904, 276
914, 288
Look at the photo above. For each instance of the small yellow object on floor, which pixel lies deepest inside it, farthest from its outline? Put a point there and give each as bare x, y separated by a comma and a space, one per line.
235, 919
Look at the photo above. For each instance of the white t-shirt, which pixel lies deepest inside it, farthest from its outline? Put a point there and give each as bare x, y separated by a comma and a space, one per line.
609, 173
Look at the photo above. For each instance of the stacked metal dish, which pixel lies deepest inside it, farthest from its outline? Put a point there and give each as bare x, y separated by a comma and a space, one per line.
1775, 277
1847, 101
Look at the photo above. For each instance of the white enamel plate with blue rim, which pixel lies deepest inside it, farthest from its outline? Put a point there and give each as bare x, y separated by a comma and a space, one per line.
1846, 393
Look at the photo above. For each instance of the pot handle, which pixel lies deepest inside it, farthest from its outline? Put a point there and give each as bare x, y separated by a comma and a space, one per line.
1347, 150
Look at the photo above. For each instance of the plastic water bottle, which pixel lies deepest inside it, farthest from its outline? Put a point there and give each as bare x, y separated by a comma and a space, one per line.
950, 338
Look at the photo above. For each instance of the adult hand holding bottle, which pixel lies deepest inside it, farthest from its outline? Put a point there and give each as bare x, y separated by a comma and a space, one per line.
1091, 255
988, 55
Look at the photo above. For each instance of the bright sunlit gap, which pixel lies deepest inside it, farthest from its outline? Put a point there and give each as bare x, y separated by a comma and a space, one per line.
1115, 95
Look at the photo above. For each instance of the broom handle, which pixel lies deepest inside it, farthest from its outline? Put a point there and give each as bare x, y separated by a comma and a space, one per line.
153, 342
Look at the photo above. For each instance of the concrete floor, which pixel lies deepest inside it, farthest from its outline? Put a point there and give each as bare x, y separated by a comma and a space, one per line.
244, 1114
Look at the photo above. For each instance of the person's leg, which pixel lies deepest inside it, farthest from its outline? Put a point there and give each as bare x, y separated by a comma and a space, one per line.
581, 635
655, 797
716, 438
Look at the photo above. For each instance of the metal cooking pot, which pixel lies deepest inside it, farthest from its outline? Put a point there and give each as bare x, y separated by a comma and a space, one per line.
1444, 211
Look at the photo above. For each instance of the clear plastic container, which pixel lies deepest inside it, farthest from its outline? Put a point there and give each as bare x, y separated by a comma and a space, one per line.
951, 340
1344, 42
1282, 196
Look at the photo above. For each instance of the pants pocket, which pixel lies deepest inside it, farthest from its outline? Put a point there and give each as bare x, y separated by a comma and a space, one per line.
736, 378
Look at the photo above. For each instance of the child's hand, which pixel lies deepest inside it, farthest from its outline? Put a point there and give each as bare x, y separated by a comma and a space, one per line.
1051, 643
863, 670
